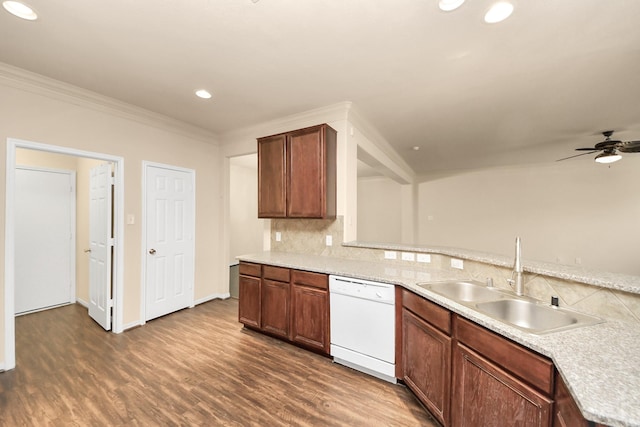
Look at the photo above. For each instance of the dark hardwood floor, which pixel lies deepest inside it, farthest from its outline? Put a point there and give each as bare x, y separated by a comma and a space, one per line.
194, 367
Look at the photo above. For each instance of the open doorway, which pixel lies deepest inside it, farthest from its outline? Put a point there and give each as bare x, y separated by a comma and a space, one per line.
246, 230
84, 160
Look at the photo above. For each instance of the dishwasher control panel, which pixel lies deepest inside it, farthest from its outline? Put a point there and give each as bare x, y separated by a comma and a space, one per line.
359, 288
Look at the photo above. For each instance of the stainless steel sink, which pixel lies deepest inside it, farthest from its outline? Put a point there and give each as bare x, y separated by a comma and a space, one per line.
464, 291
534, 317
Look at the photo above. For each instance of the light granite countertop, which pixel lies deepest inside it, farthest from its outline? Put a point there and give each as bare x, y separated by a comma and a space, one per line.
599, 363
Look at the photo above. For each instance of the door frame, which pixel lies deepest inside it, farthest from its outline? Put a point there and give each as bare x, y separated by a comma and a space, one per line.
9, 242
143, 223
72, 248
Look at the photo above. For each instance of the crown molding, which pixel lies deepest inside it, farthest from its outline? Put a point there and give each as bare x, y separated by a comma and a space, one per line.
28, 81
326, 114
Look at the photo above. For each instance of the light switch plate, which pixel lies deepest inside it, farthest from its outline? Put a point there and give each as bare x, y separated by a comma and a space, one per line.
408, 256
457, 263
329, 240
278, 236
424, 257
390, 255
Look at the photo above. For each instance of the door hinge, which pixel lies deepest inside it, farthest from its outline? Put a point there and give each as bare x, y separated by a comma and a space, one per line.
110, 304
112, 242
112, 181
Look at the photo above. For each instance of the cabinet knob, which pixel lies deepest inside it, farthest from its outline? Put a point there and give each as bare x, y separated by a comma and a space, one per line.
152, 251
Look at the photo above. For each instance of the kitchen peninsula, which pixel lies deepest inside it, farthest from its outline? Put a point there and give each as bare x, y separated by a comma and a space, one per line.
598, 363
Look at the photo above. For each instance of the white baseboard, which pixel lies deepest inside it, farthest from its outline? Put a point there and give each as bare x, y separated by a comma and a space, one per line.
131, 325
82, 302
212, 297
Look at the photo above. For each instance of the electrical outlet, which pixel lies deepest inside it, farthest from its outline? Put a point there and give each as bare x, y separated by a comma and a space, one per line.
278, 236
457, 263
408, 256
329, 240
424, 257
390, 255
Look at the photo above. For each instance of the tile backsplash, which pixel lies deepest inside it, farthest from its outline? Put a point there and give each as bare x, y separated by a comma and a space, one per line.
309, 237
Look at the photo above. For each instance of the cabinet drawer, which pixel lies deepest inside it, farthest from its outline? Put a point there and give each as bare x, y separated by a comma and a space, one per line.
527, 365
276, 273
314, 280
432, 313
249, 269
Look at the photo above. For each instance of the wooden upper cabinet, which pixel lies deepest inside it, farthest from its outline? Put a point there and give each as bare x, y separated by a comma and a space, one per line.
297, 174
272, 179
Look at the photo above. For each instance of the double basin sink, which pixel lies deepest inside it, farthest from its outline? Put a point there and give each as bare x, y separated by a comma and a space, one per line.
524, 313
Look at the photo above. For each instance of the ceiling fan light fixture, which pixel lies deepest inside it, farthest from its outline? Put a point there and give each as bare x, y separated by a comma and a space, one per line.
449, 5
498, 12
608, 157
20, 10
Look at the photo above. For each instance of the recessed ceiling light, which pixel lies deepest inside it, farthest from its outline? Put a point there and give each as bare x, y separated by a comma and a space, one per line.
20, 10
498, 12
449, 5
415, 148
204, 94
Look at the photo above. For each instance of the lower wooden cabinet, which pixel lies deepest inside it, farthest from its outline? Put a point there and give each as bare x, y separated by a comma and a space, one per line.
275, 307
310, 313
250, 295
486, 395
427, 364
466, 375
289, 304
426, 353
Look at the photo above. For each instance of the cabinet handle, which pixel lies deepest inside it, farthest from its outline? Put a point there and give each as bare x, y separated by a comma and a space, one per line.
152, 251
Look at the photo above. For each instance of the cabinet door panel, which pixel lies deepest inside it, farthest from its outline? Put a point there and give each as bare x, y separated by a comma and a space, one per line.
272, 196
485, 395
275, 307
306, 177
427, 364
249, 301
310, 322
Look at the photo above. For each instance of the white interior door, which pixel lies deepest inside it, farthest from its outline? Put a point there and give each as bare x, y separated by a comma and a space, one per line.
100, 245
44, 238
170, 228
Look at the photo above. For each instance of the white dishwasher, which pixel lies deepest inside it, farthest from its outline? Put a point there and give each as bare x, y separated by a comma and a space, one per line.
363, 325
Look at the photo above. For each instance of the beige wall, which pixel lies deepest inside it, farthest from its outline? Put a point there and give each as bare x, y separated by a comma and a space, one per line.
246, 229
64, 119
569, 213
379, 210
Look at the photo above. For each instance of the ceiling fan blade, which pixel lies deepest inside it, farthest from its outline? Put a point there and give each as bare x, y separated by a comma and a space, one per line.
588, 149
577, 155
629, 147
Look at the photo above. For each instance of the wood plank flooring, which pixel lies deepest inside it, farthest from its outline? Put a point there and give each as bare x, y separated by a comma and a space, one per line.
194, 367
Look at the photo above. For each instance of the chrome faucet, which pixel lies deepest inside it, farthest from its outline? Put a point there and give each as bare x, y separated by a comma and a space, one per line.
517, 271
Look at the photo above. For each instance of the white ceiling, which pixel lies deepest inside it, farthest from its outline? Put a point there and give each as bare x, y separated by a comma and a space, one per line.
470, 94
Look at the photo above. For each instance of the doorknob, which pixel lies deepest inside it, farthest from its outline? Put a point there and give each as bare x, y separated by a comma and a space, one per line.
152, 251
